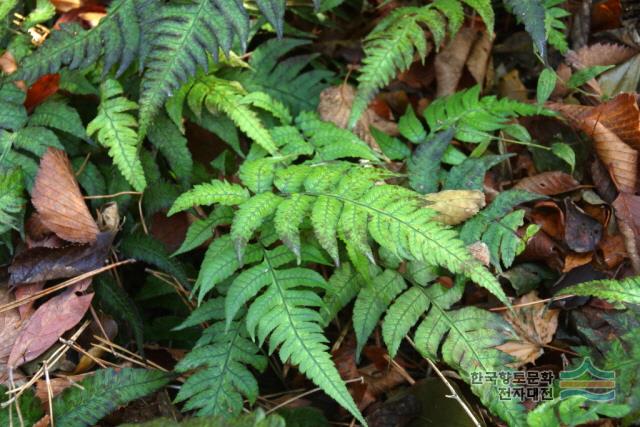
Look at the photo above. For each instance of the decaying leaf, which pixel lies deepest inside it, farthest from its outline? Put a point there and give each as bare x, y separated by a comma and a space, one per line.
480, 251
450, 61
614, 127
455, 206
575, 260
57, 197
9, 327
479, 62
67, 5
581, 231
335, 106
41, 264
25, 291
535, 324
548, 183
627, 210
49, 322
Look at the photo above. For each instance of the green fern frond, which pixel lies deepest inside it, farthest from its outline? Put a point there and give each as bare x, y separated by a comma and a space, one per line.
372, 302
497, 226
284, 80
250, 216
103, 392
218, 94
147, 249
285, 312
116, 38
115, 129
465, 338
216, 191
28, 404
554, 27
616, 291
222, 357
58, 115
395, 41
532, 14
13, 115
11, 201
170, 142
202, 230
343, 285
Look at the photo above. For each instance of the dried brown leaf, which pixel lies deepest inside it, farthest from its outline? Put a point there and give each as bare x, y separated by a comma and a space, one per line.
57, 197
9, 327
535, 324
455, 206
25, 291
548, 183
575, 260
450, 61
479, 58
582, 232
627, 210
49, 322
41, 264
601, 54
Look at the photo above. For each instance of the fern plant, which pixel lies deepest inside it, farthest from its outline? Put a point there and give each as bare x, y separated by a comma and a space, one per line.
400, 36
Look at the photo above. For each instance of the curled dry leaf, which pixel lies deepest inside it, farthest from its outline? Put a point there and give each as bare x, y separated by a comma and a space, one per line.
614, 127
550, 217
479, 62
335, 106
450, 61
455, 206
612, 250
9, 327
535, 324
548, 183
581, 231
57, 197
575, 260
627, 210
49, 322
602, 180
41, 264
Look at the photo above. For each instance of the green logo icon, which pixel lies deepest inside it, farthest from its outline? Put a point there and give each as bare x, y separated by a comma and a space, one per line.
588, 381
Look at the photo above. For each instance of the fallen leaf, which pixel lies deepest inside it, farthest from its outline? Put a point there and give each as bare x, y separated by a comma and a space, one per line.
25, 291
548, 183
601, 178
541, 247
335, 106
57, 198
66, 5
581, 232
49, 322
41, 264
479, 61
535, 324
612, 250
9, 328
627, 210
58, 385
449, 62
480, 251
42, 89
623, 78
454, 206
550, 217
574, 260
511, 86
603, 54
614, 127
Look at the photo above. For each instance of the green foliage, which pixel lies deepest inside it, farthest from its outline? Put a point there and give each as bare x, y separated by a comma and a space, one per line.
573, 411
399, 37
554, 27
11, 200
496, 226
532, 15
101, 393
116, 130
29, 405
464, 337
145, 248
223, 353
624, 291
424, 165
202, 230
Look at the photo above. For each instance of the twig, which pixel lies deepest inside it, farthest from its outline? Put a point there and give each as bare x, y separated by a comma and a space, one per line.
111, 196
454, 394
307, 393
49, 392
526, 304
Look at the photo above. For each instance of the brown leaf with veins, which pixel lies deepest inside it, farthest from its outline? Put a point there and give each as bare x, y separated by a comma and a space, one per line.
57, 197
548, 183
450, 61
454, 206
9, 327
627, 210
535, 324
582, 232
335, 106
50, 321
614, 127
41, 263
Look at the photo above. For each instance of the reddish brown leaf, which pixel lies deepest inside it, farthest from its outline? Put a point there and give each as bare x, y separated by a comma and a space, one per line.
548, 215
49, 322
612, 250
42, 89
603, 54
581, 232
41, 264
26, 310
548, 183
541, 247
574, 260
603, 182
56, 195
627, 209
9, 327
450, 61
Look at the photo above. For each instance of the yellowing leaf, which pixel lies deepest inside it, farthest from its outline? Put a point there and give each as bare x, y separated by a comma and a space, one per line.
455, 206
